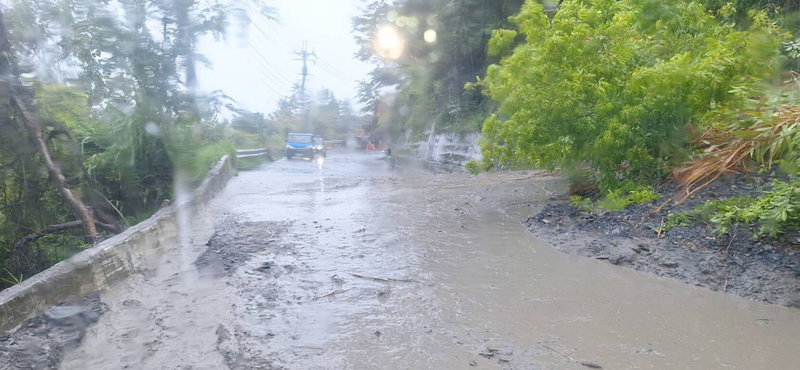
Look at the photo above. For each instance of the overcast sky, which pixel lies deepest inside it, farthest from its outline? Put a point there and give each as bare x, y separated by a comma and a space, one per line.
258, 66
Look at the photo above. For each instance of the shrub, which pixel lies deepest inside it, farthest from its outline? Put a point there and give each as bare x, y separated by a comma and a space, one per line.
616, 200
618, 84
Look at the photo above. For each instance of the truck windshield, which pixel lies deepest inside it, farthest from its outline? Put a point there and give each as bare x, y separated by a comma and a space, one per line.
299, 138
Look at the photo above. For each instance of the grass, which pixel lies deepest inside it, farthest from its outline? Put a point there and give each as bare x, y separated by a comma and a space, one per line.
756, 138
616, 200
10, 279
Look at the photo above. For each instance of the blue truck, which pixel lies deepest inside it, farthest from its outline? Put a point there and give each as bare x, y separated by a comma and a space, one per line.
303, 144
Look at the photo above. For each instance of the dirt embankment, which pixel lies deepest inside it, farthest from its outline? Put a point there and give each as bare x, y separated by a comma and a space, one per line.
756, 268
41, 341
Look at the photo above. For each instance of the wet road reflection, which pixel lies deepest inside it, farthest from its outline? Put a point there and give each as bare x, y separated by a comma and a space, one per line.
342, 262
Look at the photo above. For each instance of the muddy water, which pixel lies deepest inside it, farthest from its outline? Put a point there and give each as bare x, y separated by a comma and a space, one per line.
346, 264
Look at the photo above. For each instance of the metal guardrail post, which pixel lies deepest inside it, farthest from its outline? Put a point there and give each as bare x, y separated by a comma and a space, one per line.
245, 153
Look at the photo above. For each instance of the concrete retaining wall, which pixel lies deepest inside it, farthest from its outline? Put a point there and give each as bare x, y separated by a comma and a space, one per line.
449, 150
110, 261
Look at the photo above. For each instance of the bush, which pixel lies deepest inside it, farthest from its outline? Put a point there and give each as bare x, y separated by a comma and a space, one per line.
207, 156
616, 200
773, 212
618, 84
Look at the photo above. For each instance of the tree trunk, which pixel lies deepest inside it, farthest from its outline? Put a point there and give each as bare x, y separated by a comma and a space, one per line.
9, 83
77, 206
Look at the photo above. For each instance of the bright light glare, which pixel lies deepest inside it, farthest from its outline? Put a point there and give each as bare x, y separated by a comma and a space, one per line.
320, 162
389, 43
388, 37
429, 36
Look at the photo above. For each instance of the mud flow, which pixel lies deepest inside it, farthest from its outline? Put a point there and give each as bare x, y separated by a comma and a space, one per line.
344, 263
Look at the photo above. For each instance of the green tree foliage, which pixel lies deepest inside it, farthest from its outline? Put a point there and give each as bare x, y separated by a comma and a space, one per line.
619, 85
114, 89
429, 76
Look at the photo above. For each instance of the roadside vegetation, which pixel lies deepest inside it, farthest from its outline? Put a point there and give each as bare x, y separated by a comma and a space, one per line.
100, 118
421, 89
621, 96
633, 93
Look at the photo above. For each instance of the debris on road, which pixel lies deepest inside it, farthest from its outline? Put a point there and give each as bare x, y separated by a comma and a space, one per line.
385, 280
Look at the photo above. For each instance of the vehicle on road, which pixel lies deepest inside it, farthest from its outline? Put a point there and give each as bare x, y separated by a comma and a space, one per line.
319, 146
299, 144
305, 144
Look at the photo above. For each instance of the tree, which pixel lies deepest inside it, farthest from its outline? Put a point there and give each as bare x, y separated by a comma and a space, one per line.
619, 84
111, 113
430, 75
16, 111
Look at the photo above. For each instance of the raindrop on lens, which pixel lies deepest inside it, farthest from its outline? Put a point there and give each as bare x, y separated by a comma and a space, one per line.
429, 36
152, 129
402, 21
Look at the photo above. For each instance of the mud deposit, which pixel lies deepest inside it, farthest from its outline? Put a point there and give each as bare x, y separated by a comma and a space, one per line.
345, 263
233, 244
759, 269
41, 341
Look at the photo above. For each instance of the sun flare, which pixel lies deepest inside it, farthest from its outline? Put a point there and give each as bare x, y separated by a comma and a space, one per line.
389, 43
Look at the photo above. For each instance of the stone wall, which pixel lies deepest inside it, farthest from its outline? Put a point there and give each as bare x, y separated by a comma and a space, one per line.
448, 150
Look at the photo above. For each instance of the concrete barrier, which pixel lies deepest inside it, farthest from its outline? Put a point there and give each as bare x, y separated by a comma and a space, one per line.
448, 151
110, 261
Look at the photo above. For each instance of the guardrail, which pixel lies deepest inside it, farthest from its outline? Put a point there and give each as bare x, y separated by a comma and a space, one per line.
246, 153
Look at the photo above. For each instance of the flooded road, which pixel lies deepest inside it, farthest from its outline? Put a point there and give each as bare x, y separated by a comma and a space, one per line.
343, 263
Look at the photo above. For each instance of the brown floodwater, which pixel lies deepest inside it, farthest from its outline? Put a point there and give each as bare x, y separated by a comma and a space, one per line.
346, 263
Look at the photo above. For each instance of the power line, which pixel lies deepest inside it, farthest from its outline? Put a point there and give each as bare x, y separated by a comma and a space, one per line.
331, 68
268, 40
264, 62
338, 76
267, 80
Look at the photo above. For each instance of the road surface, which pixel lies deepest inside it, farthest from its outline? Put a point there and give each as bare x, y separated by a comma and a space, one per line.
343, 263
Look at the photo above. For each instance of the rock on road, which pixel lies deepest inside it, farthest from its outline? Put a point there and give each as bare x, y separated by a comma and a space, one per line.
343, 263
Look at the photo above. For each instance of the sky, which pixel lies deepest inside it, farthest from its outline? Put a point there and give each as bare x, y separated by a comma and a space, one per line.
257, 65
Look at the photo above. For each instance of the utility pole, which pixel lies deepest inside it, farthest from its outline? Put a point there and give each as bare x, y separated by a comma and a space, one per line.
304, 55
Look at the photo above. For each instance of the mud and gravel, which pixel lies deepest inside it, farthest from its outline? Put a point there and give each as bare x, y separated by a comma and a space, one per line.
40, 341
761, 269
346, 263
233, 243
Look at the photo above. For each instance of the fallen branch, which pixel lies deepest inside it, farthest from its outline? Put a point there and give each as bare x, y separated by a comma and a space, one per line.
112, 206
383, 279
112, 228
54, 229
332, 293
729, 244
538, 175
570, 358
20, 244
525, 203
